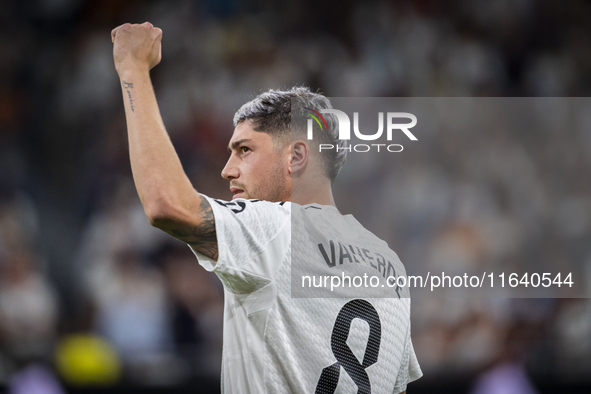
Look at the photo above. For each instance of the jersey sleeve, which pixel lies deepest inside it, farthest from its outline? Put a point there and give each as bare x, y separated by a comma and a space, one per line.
410, 369
253, 237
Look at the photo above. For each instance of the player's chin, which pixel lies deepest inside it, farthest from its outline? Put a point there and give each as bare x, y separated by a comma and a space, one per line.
240, 195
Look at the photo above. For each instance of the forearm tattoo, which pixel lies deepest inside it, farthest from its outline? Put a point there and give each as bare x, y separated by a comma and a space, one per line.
203, 237
127, 86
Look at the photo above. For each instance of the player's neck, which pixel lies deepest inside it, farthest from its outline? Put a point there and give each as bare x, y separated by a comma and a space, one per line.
313, 193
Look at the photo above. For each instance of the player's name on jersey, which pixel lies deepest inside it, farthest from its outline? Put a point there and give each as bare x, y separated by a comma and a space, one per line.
337, 253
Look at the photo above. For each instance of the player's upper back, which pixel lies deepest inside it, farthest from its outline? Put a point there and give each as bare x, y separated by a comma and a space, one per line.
276, 338
324, 341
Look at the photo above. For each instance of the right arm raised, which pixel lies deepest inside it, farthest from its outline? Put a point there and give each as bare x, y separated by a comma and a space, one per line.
170, 201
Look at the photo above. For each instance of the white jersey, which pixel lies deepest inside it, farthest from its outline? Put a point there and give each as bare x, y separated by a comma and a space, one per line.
276, 343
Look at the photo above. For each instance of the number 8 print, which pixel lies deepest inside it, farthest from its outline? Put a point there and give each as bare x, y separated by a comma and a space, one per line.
356, 309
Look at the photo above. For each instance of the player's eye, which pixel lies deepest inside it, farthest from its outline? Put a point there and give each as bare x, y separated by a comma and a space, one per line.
244, 149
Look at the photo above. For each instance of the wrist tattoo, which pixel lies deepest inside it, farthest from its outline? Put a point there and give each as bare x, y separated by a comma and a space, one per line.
127, 86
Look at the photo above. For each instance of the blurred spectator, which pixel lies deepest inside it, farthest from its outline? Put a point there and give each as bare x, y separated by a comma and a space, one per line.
133, 315
507, 375
19, 221
198, 308
506, 378
35, 379
572, 338
28, 308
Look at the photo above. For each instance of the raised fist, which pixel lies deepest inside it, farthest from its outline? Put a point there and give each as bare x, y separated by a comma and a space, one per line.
136, 46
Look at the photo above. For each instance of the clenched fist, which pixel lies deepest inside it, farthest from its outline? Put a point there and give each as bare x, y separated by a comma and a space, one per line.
136, 46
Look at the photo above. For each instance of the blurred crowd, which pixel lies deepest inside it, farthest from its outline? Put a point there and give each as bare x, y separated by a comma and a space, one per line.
90, 290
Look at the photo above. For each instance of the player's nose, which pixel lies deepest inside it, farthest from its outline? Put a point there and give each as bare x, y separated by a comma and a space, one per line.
230, 171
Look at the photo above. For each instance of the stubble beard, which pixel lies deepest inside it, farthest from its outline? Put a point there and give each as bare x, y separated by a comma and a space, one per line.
275, 188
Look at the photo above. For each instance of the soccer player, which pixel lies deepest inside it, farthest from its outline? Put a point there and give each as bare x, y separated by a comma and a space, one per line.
282, 207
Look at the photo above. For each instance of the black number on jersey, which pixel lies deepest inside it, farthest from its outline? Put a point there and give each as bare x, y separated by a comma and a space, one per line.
238, 206
235, 207
356, 309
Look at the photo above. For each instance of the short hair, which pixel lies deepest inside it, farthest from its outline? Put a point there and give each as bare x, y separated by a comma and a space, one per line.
274, 111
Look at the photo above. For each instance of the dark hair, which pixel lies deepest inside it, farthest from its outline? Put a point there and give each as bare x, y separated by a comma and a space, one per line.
281, 112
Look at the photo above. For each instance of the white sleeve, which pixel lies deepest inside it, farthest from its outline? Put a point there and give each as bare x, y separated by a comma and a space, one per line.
253, 237
409, 368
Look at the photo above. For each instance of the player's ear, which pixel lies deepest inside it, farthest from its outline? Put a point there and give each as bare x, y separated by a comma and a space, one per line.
300, 153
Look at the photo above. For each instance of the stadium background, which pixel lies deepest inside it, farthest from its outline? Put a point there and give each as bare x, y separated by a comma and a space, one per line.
89, 293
